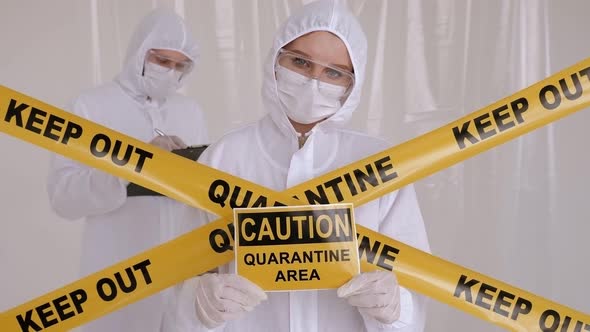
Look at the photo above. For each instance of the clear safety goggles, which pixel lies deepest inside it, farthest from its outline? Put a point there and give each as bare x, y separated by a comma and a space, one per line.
182, 67
313, 69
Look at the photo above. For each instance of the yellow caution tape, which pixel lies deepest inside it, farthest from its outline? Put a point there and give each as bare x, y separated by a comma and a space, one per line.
210, 246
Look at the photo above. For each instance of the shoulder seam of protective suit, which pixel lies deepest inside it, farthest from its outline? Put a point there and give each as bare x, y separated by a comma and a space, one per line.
222, 141
232, 132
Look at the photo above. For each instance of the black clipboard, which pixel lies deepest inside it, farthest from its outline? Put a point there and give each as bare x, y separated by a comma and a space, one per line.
192, 153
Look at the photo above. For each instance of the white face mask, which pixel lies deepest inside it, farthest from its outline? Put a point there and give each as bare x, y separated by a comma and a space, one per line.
159, 82
302, 99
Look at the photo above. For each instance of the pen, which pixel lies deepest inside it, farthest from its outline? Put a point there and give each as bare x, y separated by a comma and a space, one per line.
161, 133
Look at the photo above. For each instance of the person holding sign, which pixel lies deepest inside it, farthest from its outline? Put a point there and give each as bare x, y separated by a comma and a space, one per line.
140, 102
313, 78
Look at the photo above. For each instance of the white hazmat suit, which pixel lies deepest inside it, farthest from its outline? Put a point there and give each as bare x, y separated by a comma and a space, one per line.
268, 153
117, 226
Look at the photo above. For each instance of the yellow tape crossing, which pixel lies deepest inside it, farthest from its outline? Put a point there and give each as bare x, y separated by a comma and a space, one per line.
197, 252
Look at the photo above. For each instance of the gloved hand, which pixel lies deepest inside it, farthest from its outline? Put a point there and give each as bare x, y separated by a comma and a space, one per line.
376, 294
223, 297
168, 143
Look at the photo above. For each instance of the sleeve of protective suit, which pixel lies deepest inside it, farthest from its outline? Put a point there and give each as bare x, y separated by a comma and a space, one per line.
77, 191
401, 219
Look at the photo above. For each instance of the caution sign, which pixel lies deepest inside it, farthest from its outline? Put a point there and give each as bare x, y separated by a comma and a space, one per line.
296, 247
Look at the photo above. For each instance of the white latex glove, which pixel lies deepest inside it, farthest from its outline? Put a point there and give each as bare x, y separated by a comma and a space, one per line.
376, 294
168, 143
223, 297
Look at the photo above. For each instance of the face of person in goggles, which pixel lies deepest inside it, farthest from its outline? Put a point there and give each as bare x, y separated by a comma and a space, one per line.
314, 75
326, 74
170, 60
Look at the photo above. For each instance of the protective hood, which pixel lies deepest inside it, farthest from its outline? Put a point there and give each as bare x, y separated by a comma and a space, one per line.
323, 15
161, 29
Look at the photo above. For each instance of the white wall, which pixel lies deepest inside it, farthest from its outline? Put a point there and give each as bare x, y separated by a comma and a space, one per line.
517, 213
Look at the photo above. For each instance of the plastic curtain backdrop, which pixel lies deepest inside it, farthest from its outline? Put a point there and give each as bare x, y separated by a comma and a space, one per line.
516, 213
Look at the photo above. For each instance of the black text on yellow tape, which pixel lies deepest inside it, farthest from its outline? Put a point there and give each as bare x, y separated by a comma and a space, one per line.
437, 150
296, 247
116, 286
479, 131
71, 304
295, 225
120, 155
465, 289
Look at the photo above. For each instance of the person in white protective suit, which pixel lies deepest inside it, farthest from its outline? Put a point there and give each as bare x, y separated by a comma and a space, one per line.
141, 99
312, 83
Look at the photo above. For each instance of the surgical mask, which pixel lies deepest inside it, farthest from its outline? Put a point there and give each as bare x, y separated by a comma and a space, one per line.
159, 82
301, 97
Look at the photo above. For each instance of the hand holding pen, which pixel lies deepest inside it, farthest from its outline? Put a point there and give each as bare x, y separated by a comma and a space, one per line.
167, 142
